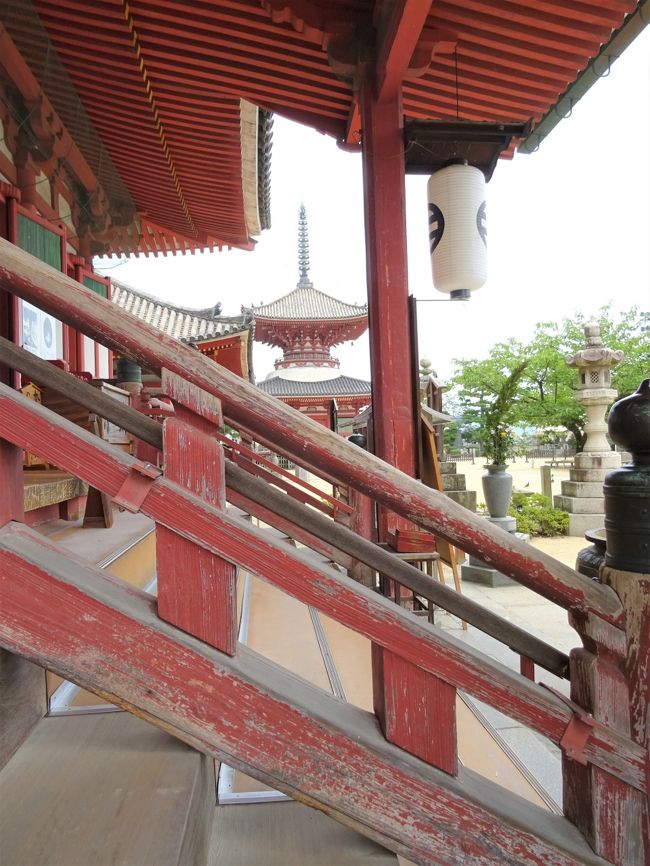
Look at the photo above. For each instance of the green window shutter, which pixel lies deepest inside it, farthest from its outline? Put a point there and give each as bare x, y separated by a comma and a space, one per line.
95, 286
42, 243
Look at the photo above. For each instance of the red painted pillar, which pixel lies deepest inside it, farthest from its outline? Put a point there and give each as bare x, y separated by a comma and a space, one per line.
388, 311
416, 711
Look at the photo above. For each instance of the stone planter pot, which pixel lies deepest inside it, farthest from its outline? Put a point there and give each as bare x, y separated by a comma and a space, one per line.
497, 489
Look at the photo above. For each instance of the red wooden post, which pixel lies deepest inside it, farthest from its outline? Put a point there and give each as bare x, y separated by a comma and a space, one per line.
362, 521
527, 668
11, 483
611, 675
197, 590
385, 223
416, 710
609, 678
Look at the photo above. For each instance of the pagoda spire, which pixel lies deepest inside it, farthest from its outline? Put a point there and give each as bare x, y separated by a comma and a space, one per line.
303, 250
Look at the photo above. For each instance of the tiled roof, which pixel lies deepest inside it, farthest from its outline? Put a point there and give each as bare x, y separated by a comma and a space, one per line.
340, 386
309, 303
184, 324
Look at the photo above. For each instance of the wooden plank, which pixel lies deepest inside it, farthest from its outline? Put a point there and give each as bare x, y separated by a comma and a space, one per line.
350, 603
416, 710
290, 432
197, 590
298, 493
289, 528
107, 637
387, 563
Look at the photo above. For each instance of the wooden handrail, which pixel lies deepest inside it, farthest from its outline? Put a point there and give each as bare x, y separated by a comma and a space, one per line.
31, 426
57, 294
319, 498
257, 492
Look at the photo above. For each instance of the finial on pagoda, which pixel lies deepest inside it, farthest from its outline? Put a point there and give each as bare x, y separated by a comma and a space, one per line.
303, 249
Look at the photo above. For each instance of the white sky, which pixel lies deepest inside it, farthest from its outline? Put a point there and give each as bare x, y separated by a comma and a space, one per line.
568, 230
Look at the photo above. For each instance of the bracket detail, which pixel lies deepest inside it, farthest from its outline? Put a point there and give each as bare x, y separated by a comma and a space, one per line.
136, 486
578, 730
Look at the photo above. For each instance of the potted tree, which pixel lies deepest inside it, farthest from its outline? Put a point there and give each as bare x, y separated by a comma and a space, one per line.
497, 441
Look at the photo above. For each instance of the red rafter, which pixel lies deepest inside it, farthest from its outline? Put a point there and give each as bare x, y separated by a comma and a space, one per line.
400, 37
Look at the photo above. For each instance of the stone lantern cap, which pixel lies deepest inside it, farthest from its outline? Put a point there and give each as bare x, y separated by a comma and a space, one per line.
594, 354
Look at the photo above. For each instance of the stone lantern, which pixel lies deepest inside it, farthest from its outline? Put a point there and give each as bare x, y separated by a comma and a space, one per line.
582, 495
594, 364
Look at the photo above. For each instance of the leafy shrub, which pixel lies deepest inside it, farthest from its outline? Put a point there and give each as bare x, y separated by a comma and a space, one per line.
536, 516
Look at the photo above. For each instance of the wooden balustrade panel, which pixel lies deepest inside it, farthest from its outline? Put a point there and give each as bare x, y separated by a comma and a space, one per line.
416, 710
196, 590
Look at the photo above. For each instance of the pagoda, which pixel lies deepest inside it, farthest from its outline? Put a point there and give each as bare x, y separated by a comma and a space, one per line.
306, 324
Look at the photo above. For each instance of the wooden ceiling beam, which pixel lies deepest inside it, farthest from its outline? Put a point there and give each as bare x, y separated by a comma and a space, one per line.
398, 39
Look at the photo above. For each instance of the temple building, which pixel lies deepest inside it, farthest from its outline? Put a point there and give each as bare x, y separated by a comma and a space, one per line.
224, 339
306, 324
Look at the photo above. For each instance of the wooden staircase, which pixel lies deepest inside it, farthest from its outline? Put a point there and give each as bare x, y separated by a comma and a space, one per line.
105, 788
392, 774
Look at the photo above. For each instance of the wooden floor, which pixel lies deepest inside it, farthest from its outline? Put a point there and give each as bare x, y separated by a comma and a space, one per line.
100, 790
288, 834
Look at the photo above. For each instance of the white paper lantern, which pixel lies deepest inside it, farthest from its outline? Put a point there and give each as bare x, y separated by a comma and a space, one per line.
457, 229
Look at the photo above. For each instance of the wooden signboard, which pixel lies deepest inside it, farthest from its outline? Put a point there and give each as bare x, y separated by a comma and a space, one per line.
431, 475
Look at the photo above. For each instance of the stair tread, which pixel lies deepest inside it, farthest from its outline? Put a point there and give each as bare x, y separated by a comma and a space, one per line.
103, 789
288, 833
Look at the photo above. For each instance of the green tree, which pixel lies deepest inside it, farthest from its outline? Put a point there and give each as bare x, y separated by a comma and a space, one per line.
545, 392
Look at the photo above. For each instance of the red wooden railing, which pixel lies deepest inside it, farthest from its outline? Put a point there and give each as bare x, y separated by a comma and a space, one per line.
288, 432
417, 669
295, 486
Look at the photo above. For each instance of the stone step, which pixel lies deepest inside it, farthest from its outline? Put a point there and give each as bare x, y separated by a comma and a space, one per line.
448, 468
105, 788
453, 482
486, 576
588, 475
579, 505
466, 498
582, 489
581, 523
